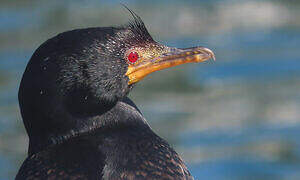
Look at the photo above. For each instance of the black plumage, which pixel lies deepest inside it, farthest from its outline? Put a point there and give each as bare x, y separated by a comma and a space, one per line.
80, 123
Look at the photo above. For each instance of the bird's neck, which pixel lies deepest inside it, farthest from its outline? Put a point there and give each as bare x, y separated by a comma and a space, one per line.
124, 115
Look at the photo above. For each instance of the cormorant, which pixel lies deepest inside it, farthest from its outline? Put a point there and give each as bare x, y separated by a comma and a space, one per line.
74, 105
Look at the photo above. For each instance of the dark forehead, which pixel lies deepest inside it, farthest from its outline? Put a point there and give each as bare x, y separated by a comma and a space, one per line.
133, 34
120, 39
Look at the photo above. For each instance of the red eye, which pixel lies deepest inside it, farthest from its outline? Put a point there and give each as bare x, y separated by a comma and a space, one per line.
133, 57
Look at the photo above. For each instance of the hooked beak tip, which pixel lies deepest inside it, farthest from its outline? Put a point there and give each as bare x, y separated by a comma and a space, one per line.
210, 53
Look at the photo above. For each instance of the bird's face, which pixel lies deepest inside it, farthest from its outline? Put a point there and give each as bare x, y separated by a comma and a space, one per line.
141, 55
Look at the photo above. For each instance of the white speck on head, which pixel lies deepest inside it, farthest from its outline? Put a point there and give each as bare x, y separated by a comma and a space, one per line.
72, 132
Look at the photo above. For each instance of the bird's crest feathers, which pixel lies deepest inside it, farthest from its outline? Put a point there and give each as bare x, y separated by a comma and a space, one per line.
137, 26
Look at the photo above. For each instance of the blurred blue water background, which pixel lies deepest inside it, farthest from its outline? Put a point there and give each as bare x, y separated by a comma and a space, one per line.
235, 118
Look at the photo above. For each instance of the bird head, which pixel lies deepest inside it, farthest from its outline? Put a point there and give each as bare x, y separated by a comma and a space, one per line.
132, 47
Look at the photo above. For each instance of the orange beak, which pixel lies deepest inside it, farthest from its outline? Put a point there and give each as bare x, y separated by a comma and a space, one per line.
168, 58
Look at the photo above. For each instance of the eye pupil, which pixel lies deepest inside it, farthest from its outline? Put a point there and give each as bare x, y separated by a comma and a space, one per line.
133, 57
